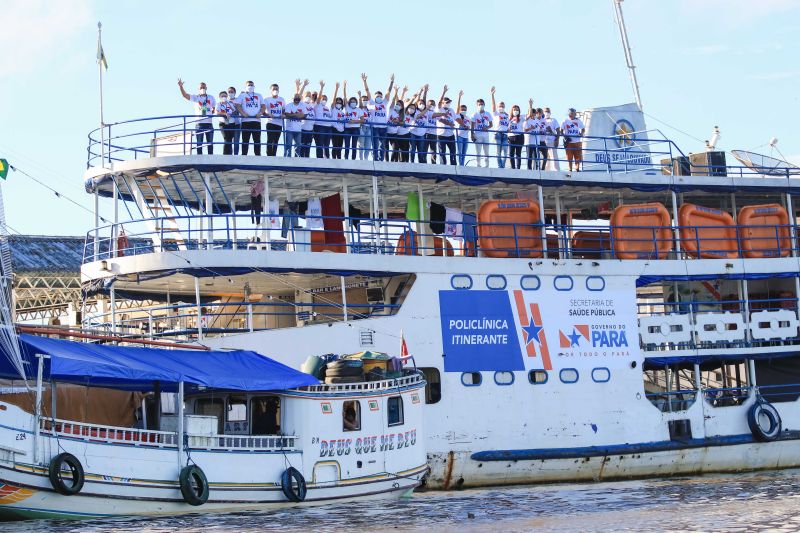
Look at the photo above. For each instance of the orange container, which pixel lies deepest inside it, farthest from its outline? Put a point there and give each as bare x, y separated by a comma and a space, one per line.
707, 232
318, 243
641, 231
405, 246
590, 244
510, 228
764, 230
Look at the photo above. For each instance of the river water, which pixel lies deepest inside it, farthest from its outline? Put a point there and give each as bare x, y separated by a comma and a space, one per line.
763, 501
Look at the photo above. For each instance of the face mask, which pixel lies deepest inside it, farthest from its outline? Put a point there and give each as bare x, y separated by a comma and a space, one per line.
481, 108
516, 113
307, 100
324, 102
353, 105
251, 89
397, 108
378, 99
364, 103
463, 112
411, 111
547, 115
446, 105
224, 98
232, 95
422, 108
338, 106
502, 109
202, 92
274, 92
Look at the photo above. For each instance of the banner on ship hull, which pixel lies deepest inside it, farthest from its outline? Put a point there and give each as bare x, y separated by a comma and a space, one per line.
568, 321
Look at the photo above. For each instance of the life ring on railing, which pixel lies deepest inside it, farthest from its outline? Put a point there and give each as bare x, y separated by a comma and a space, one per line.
194, 485
764, 421
61, 463
294, 485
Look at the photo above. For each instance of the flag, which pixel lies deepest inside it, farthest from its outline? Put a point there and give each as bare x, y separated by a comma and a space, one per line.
3, 168
101, 55
403, 348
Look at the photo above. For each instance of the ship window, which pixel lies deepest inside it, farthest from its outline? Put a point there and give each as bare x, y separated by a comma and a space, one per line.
237, 409
471, 379
394, 409
461, 281
504, 378
210, 407
568, 375
530, 283
601, 375
266, 415
433, 384
595, 283
537, 377
779, 379
725, 383
351, 415
670, 388
496, 282
563, 283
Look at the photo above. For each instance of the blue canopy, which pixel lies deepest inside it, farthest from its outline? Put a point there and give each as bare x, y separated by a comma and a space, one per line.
135, 368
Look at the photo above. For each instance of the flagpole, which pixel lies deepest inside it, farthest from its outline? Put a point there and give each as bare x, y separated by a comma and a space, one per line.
102, 141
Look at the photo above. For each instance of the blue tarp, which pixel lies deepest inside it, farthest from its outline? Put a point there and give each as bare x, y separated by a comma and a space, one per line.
136, 368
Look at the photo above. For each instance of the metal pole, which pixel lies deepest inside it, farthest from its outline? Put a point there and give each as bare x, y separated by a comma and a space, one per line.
344, 298
265, 233
179, 411
675, 230
209, 208
623, 33
559, 227
102, 121
113, 294
96, 223
115, 227
793, 247
199, 309
540, 192
38, 406
347, 225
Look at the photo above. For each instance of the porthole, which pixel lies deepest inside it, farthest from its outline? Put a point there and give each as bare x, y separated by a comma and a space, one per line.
568, 375
601, 375
595, 283
504, 378
530, 283
471, 379
537, 377
461, 281
563, 283
496, 282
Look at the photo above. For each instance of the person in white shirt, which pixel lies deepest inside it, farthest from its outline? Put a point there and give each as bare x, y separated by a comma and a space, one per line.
531, 129
446, 132
464, 130
250, 105
516, 137
237, 120
274, 110
365, 131
573, 129
379, 116
339, 117
322, 125
294, 115
481, 124
544, 131
501, 131
204, 110
308, 107
552, 139
227, 124
432, 140
418, 142
355, 118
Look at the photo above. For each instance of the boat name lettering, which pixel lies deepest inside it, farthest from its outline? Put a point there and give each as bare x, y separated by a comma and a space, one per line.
622, 157
364, 445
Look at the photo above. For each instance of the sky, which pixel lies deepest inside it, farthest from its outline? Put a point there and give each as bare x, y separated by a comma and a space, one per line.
701, 63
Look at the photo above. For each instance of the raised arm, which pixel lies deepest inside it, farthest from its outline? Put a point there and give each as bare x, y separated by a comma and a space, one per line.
494, 106
335, 93
403, 94
458, 102
183, 91
530, 108
344, 91
424, 91
366, 87
319, 94
389, 90
441, 98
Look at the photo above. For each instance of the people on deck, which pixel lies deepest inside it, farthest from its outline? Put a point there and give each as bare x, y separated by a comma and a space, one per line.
204, 111
237, 121
226, 109
250, 105
501, 130
274, 106
573, 129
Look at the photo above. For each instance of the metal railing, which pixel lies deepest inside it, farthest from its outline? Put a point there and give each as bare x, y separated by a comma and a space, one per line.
369, 386
244, 442
108, 434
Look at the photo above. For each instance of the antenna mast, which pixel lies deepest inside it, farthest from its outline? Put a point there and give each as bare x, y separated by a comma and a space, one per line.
623, 34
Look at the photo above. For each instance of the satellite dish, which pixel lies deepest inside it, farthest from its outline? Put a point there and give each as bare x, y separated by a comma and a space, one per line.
764, 164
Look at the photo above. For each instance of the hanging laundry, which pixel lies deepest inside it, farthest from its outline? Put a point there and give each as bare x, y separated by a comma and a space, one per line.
273, 214
437, 218
314, 214
470, 235
291, 219
412, 206
453, 226
256, 201
356, 215
331, 207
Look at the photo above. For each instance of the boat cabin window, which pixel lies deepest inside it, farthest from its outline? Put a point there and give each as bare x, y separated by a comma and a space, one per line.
394, 406
504, 378
237, 409
537, 377
351, 416
779, 379
568, 375
725, 383
211, 407
670, 387
471, 379
433, 385
266, 413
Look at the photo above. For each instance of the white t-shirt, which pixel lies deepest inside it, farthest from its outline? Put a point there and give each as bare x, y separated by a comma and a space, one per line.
314, 214
367, 113
323, 112
464, 129
204, 107
446, 122
572, 128
515, 126
273, 212
482, 121
229, 109
275, 110
251, 105
394, 120
501, 121
430, 122
553, 123
408, 121
354, 113
379, 113
294, 124
310, 109
532, 127
339, 116
420, 120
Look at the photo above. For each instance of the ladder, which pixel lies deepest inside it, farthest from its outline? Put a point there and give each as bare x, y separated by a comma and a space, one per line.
162, 222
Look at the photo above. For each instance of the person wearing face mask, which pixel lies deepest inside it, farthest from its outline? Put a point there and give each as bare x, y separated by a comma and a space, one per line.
516, 126
501, 131
355, 118
552, 139
464, 124
204, 110
544, 132
365, 131
308, 108
236, 124
446, 119
573, 129
431, 139
417, 143
379, 116
322, 126
294, 115
339, 117
250, 105
481, 124
225, 110
531, 129
274, 106
396, 118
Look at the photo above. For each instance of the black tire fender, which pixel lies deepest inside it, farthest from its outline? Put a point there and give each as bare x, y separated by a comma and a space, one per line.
57, 465
194, 485
764, 421
293, 485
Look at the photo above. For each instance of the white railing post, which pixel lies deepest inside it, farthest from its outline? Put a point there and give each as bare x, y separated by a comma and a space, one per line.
179, 410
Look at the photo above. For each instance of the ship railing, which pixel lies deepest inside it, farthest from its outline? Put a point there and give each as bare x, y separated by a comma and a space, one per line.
183, 135
261, 443
367, 386
365, 235
726, 321
108, 434
180, 320
674, 400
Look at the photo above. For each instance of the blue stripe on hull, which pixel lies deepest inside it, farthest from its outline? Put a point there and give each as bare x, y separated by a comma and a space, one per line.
620, 449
